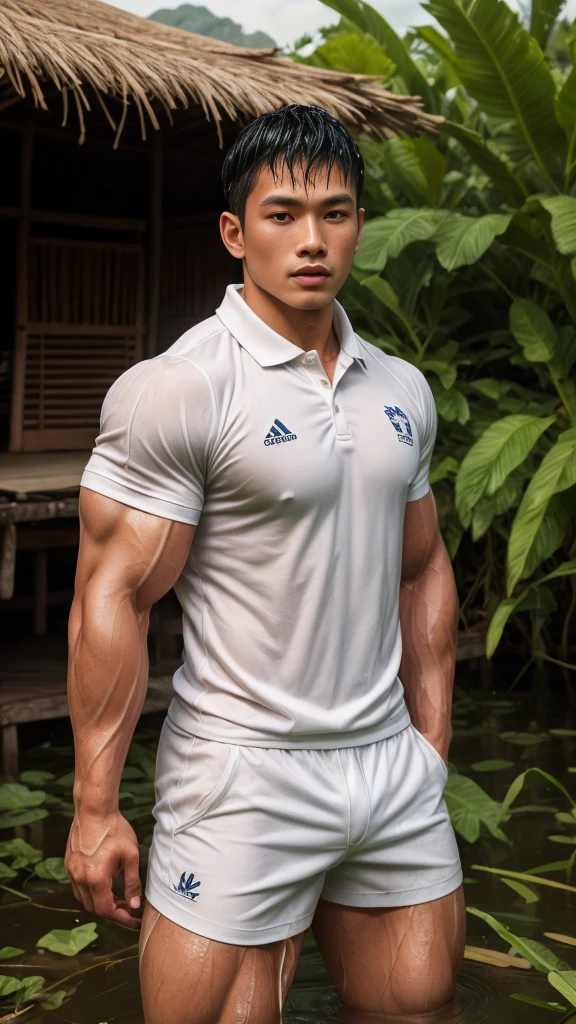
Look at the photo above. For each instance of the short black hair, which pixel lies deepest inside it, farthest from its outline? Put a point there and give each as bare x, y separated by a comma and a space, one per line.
298, 136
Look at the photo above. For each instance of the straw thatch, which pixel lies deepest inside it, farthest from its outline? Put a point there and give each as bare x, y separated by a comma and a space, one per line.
91, 51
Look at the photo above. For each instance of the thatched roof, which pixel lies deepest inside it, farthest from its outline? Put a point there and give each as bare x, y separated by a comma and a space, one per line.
91, 51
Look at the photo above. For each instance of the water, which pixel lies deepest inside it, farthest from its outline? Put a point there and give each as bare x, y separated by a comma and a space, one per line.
101, 982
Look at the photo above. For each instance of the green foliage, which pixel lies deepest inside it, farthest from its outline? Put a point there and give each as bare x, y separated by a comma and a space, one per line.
467, 269
69, 942
52, 869
470, 807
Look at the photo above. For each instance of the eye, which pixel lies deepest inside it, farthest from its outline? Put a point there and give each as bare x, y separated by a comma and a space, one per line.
335, 215
280, 218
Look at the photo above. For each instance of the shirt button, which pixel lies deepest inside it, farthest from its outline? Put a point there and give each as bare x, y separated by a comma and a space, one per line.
309, 358
336, 408
324, 383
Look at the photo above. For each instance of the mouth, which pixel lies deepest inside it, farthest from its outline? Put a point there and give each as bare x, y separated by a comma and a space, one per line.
311, 276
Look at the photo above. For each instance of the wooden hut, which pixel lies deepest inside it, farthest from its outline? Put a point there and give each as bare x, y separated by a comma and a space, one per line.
112, 134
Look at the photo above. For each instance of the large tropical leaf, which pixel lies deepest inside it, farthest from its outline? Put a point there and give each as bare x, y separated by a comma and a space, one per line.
386, 237
498, 621
562, 209
504, 69
533, 330
566, 106
355, 53
542, 17
556, 473
463, 240
470, 807
486, 154
368, 20
500, 449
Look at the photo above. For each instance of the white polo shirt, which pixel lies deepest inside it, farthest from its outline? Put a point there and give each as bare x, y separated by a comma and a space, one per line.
290, 595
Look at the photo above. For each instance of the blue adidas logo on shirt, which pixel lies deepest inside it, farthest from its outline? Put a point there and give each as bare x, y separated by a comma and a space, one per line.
278, 433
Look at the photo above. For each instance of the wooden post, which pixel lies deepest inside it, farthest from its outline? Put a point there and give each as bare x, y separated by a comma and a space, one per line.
40, 591
22, 274
10, 751
154, 243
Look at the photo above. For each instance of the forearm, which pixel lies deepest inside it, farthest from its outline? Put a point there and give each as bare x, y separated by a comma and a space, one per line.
429, 622
107, 679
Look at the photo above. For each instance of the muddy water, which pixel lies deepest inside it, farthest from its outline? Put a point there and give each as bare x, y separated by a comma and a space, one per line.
102, 982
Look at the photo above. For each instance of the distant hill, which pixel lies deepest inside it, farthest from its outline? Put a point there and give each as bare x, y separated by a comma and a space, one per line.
200, 20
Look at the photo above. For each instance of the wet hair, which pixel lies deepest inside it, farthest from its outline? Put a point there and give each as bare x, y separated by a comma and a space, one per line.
301, 138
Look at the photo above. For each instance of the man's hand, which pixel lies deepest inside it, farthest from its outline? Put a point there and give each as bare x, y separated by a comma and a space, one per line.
98, 849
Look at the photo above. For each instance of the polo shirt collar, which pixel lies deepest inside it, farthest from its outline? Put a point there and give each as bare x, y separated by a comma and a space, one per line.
264, 344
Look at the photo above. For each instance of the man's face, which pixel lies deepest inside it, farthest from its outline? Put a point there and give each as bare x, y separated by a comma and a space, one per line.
297, 243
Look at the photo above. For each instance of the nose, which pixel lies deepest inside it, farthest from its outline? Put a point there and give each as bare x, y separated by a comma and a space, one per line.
312, 242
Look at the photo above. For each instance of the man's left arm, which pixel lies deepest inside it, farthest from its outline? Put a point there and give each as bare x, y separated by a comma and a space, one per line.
429, 624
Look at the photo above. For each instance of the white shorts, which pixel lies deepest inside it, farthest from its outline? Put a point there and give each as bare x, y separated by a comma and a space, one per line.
247, 839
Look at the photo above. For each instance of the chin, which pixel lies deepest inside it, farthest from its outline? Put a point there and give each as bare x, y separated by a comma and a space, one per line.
309, 298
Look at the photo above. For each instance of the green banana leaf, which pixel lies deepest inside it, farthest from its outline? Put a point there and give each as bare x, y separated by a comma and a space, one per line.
556, 472
504, 69
368, 20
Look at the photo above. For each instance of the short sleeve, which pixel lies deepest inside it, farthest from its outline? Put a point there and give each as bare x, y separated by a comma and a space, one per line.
420, 485
155, 430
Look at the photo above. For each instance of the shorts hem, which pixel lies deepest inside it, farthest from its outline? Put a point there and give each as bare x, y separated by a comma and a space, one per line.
183, 917
403, 898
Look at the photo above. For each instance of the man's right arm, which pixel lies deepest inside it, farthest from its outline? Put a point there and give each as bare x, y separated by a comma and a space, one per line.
128, 559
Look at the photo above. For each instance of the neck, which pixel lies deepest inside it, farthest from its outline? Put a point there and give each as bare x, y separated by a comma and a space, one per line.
307, 328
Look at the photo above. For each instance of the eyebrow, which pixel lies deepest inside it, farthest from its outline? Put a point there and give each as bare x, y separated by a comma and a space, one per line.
280, 199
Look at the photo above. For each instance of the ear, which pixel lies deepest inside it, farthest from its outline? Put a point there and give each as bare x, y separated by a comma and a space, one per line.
232, 236
361, 213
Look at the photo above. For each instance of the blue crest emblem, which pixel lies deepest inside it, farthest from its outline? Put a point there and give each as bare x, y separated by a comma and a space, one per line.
400, 422
186, 886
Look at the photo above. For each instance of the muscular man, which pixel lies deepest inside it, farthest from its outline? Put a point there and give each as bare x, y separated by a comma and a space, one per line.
273, 467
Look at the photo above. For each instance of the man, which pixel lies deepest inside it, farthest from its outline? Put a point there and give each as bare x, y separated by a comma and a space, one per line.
273, 468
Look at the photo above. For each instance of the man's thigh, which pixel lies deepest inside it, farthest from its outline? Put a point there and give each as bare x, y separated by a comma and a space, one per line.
393, 960
188, 979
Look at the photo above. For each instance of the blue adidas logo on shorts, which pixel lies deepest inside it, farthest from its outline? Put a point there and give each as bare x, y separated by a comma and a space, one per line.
278, 433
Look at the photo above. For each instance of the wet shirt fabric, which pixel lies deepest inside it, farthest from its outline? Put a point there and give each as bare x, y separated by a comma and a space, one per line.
298, 487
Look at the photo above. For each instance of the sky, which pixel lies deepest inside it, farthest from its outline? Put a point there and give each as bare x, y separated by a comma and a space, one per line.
286, 20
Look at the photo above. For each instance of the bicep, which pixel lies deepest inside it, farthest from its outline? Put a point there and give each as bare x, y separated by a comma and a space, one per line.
421, 538
125, 551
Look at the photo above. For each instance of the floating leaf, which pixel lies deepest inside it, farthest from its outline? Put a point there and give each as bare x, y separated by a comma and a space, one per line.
9, 985
494, 765
562, 732
54, 1000
8, 952
567, 840
528, 895
523, 739
30, 987
53, 869
6, 872
69, 942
